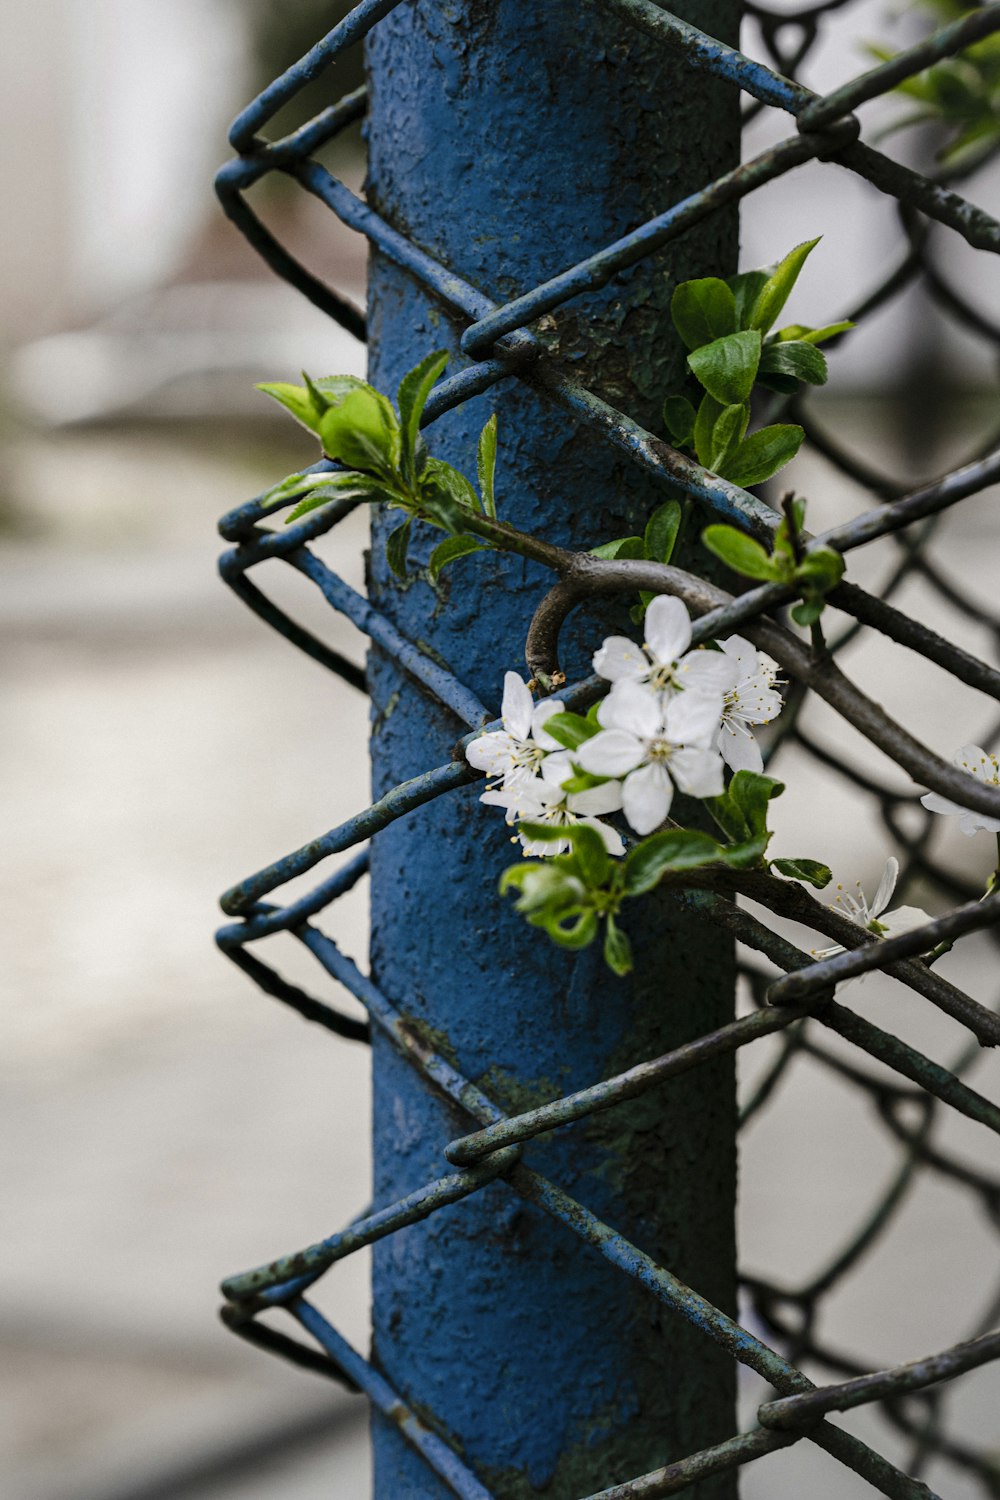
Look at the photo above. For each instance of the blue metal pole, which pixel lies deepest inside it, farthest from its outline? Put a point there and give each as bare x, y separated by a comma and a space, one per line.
510, 140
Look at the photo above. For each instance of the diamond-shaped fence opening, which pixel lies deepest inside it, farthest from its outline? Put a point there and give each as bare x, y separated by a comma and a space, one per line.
908, 1092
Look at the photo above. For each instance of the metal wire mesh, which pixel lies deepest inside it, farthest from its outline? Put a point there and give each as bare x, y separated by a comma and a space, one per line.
909, 1093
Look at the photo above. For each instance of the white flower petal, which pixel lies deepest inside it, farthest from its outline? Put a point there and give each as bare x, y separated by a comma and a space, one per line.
707, 672
693, 718
975, 822
492, 753
741, 752
516, 707
934, 802
606, 798
743, 654
976, 761
646, 798
539, 713
557, 768
903, 919
620, 658
668, 628
698, 771
886, 887
612, 752
635, 708
612, 840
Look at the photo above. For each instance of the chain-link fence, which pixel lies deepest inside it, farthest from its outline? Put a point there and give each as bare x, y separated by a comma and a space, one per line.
909, 1093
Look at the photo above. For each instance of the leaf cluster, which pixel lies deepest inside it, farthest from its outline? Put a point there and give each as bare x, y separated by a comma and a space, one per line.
385, 459
726, 327
960, 93
812, 571
570, 895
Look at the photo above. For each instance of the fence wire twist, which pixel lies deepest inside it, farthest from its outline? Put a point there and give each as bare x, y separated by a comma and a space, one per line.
909, 1092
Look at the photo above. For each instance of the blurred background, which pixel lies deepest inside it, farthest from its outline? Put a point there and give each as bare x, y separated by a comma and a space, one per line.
164, 1123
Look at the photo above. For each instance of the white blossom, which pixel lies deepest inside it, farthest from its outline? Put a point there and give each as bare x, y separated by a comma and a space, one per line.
664, 661
985, 768
875, 918
542, 799
752, 699
656, 742
516, 752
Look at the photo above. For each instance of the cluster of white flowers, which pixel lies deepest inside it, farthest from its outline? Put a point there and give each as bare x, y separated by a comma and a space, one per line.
673, 718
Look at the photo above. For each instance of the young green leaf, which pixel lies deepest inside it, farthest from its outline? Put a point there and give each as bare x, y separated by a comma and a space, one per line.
411, 398
809, 870
486, 462
445, 495
662, 853
738, 551
589, 854
702, 311
661, 531
623, 546
678, 419
331, 390
351, 486
822, 568
751, 792
746, 854
746, 288
396, 547
362, 433
813, 335
294, 398
570, 729
617, 949
727, 430
727, 367
709, 411
762, 454
809, 611
573, 930
449, 551
795, 359
776, 290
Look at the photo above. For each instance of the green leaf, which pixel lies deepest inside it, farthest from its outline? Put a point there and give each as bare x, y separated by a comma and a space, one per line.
577, 934
351, 486
617, 949
294, 398
738, 551
589, 853
747, 853
295, 484
746, 288
677, 849
727, 430
486, 462
445, 494
762, 454
661, 531
750, 793
331, 390
544, 886
727, 367
450, 550
813, 335
809, 870
776, 290
702, 311
396, 547
570, 729
678, 419
623, 546
411, 398
709, 411
796, 358
362, 433
809, 611
822, 568
582, 781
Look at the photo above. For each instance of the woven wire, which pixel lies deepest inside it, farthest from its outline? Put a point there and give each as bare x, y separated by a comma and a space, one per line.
909, 1094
